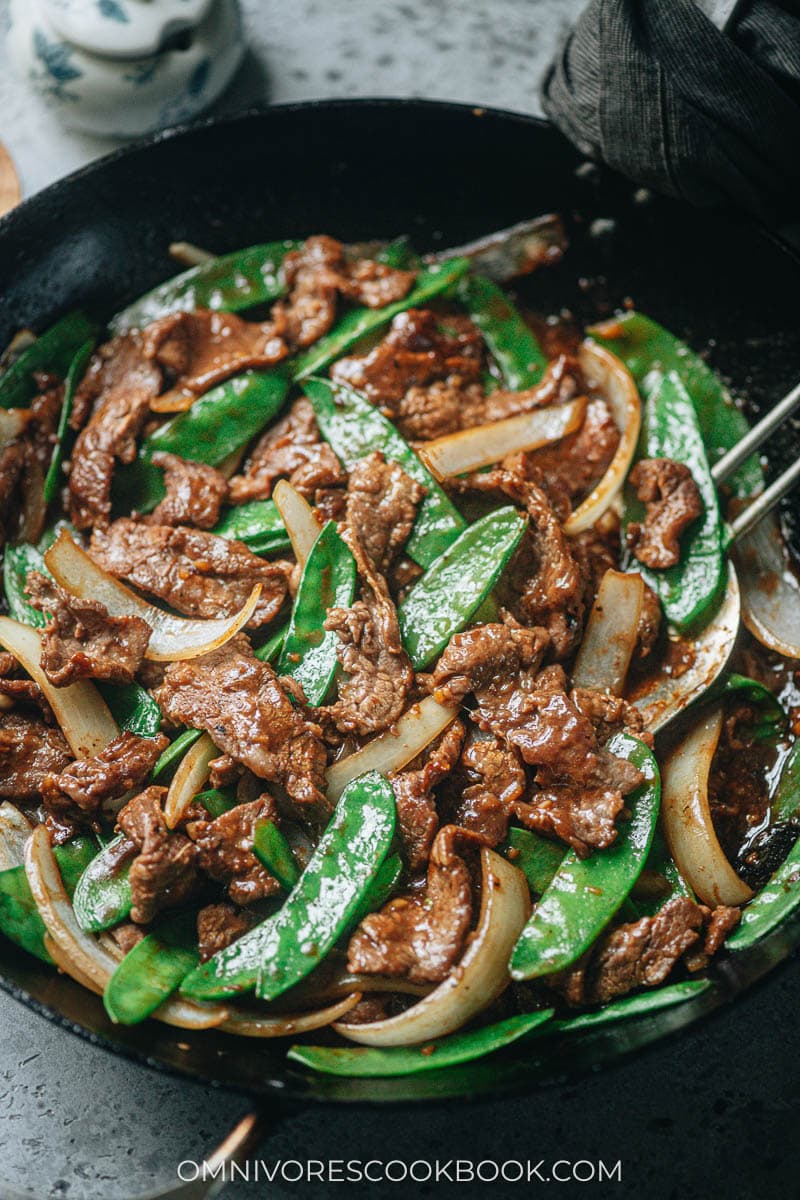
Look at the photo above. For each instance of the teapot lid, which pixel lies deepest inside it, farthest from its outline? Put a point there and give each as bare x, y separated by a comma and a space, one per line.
124, 28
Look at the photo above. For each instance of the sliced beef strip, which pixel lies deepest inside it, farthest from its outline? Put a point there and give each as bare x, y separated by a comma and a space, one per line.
164, 872
30, 752
421, 936
127, 936
12, 467
489, 782
580, 460
37, 441
672, 502
219, 926
225, 848
195, 572
382, 502
291, 449
115, 394
241, 703
649, 624
85, 785
22, 690
195, 492
81, 640
417, 817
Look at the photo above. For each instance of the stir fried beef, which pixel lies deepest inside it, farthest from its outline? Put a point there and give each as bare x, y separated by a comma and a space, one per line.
218, 926
21, 690
489, 660
79, 790
225, 848
489, 782
164, 872
291, 449
241, 703
576, 463
195, 572
115, 394
12, 466
30, 752
81, 640
672, 501
321, 271
195, 492
643, 953
127, 936
382, 502
649, 623
24, 463
417, 817
738, 792
419, 937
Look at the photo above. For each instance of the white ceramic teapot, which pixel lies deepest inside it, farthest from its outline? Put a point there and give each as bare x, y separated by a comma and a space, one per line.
125, 67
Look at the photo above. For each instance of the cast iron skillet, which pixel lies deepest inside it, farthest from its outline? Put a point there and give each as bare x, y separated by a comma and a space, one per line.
442, 173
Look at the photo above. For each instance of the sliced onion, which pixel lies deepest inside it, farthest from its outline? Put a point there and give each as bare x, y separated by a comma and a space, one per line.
177, 400
770, 589
611, 634
189, 778
482, 445
15, 829
12, 423
80, 954
298, 517
480, 976
612, 379
688, 826
80, 710
258, 1025
173, 638
393, 749
190, 255
67, 967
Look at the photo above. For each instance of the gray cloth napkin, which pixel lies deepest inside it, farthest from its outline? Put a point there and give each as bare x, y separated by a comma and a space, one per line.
698, 100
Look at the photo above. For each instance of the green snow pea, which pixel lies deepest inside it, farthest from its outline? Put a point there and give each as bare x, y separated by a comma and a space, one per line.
512, 343
660, 862
586, 893
18, 563
380, 889
217, 801
772, 719
358, 322
53, 351
354, 428
537, 858
152, 970
19, 916
455, 585
328, 581
103, 894
132, 707
365, 1061
174, 753
645, 346
399, 253
218, 424
228, 283
786, 800
623, 1010
258, 524
690, 590
54, 478
274, 852
272, 647
284, 948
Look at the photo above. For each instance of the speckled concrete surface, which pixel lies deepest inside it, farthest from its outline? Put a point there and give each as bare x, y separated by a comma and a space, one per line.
716, 1115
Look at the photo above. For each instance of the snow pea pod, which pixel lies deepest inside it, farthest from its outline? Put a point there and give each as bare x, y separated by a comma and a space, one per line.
274, 852
358, 322
217, 801
284, 948
690, 590
586, 893
133, 708
366, 1061
54, 477
659, 863
537, 858
174, 753
18, 563
641, 1005
328, 581
103, 893
53, 352
19, 916
772, 719
645, 346
354, 429
152, 970
512, 343
258, 524
218, 424
228, 283
272, 647
380, 889
455, 585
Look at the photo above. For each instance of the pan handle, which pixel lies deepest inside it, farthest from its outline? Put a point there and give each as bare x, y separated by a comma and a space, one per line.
246, 1135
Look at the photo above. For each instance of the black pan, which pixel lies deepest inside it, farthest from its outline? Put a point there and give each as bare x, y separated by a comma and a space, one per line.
442, 173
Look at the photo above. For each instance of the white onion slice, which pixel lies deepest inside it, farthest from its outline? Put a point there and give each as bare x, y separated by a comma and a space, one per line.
611, 633
173, 638
190, 255
298, 517
480, 976
80, 710
189, 778
12, 423
393, 749
482, 445
80, 954
686, 814
15, 829
770, 589
67, 967
612, 379
261, 1025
